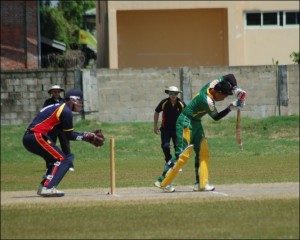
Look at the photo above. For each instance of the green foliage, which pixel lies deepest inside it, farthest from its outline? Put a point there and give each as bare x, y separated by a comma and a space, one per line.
274, 62
45, 3
295, 57
63, 22
73, 11
55, 26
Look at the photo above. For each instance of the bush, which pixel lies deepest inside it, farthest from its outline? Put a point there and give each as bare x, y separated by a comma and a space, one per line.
295, 57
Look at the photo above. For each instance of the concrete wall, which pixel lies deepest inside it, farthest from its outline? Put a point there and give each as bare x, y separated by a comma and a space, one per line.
23, 92
131, 95
128, 94
293, 89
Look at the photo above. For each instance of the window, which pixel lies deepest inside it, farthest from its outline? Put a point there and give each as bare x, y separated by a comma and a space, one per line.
271, 19
253, 19
292, 18
281, 18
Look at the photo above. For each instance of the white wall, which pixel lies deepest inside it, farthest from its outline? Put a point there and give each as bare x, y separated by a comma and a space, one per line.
245, 47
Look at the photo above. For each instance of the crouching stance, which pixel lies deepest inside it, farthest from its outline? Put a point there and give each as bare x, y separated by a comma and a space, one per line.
37, 140
190, 133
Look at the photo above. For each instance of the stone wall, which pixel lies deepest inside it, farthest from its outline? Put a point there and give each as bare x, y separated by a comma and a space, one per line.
129, 95
132, 94
23, 92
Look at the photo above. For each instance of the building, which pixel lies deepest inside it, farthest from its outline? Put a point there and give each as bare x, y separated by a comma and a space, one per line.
22, 46
199, 33
89, 19
19, 35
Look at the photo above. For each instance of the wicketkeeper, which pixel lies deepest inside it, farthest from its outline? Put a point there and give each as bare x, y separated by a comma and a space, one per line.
190, 133
37, 141
55, 97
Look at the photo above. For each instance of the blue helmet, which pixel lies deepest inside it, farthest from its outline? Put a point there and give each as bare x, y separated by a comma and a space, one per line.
74, 93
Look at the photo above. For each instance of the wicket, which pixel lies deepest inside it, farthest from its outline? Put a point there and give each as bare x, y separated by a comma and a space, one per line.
112, 167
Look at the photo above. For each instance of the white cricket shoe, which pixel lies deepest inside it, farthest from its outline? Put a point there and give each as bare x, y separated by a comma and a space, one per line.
51, 192
167, 188
72, 168
207, 187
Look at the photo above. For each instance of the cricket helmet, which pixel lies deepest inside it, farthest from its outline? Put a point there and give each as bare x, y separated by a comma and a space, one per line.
74, 94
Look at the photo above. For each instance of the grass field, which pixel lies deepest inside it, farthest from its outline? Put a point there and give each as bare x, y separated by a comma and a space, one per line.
271, 154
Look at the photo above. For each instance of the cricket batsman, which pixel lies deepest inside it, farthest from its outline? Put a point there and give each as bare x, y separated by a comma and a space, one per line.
190, 133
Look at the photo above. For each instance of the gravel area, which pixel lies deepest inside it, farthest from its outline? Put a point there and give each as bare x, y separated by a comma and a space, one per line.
227, 191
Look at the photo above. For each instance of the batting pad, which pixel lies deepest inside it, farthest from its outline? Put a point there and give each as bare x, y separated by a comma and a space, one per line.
204, 158
182, 160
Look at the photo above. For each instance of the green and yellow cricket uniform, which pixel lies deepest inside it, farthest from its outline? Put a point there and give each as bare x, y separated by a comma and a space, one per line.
189, 128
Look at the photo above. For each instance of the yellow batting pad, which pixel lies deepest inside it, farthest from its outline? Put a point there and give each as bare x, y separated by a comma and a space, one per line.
204, 158
182, 160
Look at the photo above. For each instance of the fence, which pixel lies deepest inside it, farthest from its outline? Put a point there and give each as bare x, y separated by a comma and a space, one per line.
126, 95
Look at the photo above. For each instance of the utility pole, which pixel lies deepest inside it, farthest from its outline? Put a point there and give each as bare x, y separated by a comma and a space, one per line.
102, 36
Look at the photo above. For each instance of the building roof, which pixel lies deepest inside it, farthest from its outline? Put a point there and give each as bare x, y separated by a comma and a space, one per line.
90, 12
53, 43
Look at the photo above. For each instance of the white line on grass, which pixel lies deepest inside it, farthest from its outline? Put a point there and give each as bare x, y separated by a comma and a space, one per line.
214, 192
220, 193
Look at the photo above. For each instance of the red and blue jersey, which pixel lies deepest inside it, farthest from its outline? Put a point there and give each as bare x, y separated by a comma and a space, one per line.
58, 116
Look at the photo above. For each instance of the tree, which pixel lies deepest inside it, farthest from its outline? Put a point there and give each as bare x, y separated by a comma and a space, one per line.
55, 26
73, 11
295, 57
45, 3
63, 22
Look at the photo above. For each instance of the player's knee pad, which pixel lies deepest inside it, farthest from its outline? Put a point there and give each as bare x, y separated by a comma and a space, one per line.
58, 171
174, 167
204, 159
166, 146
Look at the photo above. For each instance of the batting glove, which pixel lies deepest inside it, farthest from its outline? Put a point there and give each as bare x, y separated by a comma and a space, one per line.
237, 104
240, 93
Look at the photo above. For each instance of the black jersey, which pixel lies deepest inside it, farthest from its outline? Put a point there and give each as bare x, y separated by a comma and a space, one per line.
52, 100
170, 112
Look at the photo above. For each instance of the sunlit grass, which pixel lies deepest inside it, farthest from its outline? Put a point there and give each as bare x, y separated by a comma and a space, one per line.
180, 219
267, 156
271, 154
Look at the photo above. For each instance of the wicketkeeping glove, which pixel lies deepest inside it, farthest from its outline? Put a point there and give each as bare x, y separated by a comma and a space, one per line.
96, 137
100, 135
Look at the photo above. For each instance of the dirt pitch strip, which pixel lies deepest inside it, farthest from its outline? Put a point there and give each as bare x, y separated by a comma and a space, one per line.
228, 191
